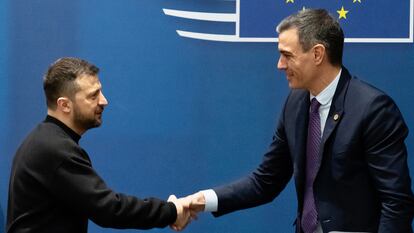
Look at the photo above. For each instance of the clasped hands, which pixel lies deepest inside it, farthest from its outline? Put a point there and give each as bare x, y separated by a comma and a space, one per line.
187, 209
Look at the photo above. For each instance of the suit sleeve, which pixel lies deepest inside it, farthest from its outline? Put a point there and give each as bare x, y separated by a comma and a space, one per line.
387, 161
262, 185
79, 187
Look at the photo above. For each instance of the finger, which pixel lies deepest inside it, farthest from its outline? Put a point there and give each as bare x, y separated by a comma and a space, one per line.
193, 215
184, 225
173, 227
197, 206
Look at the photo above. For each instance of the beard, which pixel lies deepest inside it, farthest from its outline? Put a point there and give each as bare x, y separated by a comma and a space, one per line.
85, 121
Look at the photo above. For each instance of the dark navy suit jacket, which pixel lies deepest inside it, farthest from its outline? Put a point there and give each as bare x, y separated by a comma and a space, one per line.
363, 183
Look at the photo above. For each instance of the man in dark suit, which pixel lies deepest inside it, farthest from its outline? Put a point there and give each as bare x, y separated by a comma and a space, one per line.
340, 138
53, 186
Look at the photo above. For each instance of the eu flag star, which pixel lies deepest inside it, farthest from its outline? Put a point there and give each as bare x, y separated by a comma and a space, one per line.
342, 13
292, 1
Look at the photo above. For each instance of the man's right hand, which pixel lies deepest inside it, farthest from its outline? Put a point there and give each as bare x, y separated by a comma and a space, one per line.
197, 203
183, 213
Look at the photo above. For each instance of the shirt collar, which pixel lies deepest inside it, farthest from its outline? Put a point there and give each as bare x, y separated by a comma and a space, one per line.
326, 96
75, 137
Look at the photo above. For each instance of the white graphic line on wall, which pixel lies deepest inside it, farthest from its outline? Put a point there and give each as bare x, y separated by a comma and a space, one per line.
217, 17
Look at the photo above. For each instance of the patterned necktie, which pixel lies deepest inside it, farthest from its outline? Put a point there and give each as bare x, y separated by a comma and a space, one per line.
310, 214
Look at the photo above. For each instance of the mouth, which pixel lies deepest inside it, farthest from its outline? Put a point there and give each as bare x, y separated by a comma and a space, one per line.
99, 111
289, 75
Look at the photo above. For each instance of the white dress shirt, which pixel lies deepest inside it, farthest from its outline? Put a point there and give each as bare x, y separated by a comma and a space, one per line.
325, 99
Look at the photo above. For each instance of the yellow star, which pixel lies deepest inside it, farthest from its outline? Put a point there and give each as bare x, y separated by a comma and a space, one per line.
342, 13
292, 1
357, 1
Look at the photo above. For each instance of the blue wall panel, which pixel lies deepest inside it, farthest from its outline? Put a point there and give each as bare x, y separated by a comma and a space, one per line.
183, 114
4, 156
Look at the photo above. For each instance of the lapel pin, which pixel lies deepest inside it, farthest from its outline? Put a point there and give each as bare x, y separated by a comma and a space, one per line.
336, 117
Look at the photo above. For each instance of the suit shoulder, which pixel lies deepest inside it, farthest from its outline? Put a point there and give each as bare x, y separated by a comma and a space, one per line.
365, 98
363, 89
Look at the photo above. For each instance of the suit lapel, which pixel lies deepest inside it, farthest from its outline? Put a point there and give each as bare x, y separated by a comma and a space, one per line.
336, 111
335, 115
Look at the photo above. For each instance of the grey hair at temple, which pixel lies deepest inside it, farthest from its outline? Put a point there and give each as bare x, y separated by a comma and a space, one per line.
316, 26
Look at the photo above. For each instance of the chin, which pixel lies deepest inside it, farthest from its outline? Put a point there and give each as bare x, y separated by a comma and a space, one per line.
296, 86
293, 86
98, 123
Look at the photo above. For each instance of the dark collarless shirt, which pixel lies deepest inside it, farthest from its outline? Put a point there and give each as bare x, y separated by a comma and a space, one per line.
54, 188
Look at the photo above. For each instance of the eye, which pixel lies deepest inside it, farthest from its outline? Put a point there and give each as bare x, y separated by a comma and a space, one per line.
94, 96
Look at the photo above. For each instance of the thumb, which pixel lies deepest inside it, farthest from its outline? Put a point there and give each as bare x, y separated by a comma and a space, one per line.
172, 198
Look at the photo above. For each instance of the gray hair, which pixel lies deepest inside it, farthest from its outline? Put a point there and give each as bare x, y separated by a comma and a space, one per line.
316, 26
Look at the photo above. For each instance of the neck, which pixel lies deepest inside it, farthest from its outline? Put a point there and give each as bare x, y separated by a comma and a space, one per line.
326, 75
65, 119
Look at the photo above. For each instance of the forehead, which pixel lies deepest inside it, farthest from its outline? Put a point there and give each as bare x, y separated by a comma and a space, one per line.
289, 41
88, 82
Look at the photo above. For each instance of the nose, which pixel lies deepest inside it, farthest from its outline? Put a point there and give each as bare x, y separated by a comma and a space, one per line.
281, 63
102, 100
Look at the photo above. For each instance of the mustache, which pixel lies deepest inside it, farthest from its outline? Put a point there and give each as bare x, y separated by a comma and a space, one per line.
100, 109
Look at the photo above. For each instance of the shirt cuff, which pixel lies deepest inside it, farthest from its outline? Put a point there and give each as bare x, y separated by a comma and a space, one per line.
211, 200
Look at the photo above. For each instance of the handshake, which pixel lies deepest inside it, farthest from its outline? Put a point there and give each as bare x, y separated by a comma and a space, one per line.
187, 209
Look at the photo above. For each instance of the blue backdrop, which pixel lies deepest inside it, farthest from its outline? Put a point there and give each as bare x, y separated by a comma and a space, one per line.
183, 114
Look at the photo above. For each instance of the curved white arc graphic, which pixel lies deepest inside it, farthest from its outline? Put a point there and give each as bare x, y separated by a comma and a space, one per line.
222, 37
217, 17
235, 38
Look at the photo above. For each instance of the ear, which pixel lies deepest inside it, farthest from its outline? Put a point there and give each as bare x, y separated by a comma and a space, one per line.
319, 53
64, 104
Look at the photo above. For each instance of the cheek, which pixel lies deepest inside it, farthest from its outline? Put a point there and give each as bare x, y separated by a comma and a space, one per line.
293, 69
88, 107
294, 64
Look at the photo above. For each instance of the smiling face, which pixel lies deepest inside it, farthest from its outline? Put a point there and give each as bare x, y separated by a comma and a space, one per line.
88, 103
298, 65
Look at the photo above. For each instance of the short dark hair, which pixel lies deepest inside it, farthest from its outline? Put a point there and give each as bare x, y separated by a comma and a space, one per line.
317, 26
59, 79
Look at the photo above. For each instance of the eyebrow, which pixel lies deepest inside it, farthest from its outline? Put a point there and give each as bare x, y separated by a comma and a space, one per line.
285, 52
95, 92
